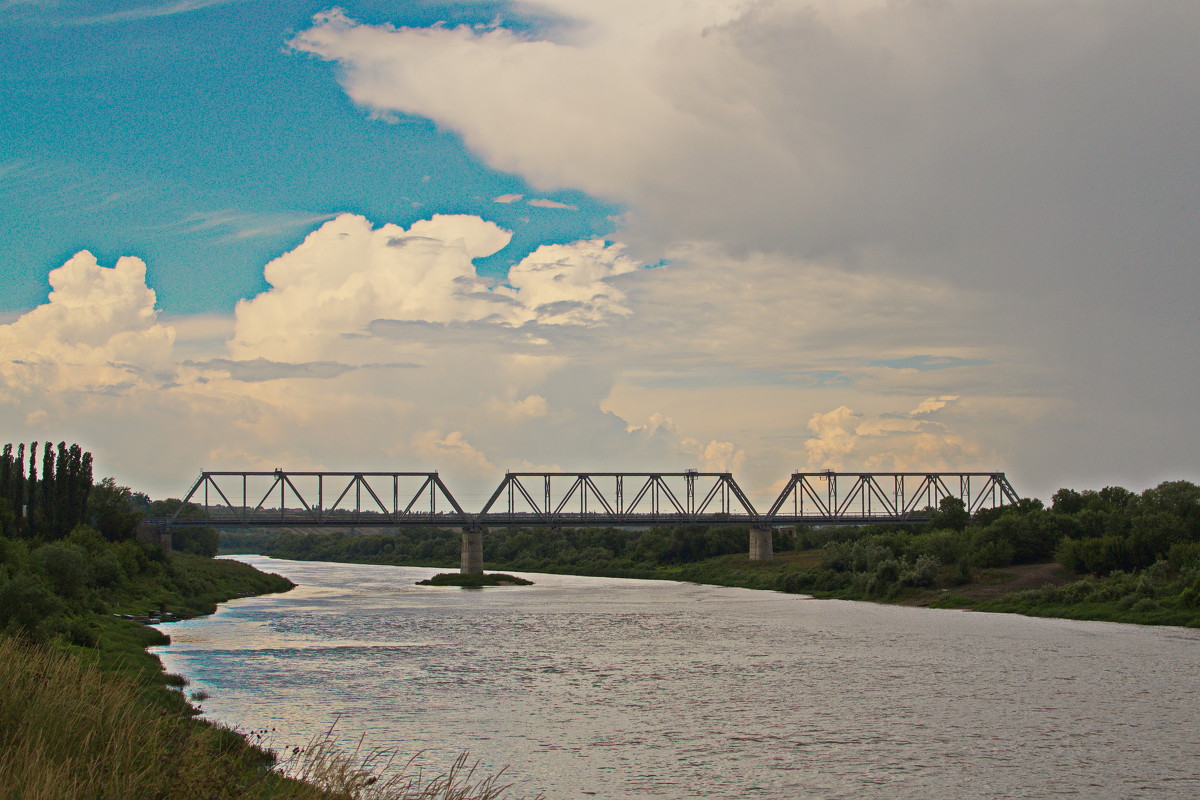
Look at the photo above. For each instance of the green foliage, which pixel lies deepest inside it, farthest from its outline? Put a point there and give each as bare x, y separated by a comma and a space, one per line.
48, 504
49, 589
29, 606
951, 514
199, 541
65, 567
597, 551
113, 510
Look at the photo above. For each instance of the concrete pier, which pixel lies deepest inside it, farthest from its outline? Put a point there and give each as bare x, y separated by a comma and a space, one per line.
762, 544
472, 551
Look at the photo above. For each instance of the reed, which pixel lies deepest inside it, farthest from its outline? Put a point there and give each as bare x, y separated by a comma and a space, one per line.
70, 731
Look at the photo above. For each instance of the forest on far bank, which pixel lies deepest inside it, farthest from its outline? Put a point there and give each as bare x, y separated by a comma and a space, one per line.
1134, 557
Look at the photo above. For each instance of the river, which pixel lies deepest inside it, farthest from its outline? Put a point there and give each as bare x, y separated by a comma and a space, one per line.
626, 689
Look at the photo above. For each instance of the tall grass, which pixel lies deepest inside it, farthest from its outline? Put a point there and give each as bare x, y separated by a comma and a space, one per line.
69, 731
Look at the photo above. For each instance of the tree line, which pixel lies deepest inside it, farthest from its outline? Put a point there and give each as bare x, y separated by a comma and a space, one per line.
49, 491
47, 502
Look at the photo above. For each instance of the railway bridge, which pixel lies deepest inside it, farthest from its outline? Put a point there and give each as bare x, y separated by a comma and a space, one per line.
560, 499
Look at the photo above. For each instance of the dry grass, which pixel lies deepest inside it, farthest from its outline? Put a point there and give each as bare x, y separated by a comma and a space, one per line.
380, 775
70, 732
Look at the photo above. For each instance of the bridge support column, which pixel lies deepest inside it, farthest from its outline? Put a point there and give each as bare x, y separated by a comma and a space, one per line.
762, 544
472, 551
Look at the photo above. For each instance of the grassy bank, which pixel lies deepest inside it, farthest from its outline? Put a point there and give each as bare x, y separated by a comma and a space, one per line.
1036, 590
86, 712
72, 731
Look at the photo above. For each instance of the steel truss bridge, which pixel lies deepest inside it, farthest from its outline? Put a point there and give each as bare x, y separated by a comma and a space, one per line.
562, 499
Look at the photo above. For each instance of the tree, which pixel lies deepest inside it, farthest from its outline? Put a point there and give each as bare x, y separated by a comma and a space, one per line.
952, 513
112, 512
1067, 501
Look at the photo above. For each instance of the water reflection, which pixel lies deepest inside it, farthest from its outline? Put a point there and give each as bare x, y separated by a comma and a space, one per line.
641, 689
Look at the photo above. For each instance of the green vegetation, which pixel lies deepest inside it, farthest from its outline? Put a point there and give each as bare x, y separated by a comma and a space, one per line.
1108, 554
587, 551
85, 711
70, 731
474, 581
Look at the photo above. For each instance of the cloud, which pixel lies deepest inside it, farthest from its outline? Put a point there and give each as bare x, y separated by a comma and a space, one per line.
149, 12
540, 202
454, 451
98, 331
715, 456
1021, 176
380, 347
349, 281
507, 198
889, 443
243, 225
260, 369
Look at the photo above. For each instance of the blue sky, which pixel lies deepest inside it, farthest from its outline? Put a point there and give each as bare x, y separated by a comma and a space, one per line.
562, 234
198, 141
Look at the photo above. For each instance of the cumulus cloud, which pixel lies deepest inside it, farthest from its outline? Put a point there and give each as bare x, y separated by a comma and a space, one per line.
98, 331
889, 443
455, 452
348, 276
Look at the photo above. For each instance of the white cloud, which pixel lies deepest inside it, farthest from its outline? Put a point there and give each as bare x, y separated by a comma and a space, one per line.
454, 451
843, 437
715, 456
541, 202
530, 406
507, 198
98, 331
347, 276
382, 348
150, 12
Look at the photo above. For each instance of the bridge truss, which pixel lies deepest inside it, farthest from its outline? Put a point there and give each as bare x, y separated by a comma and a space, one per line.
866, 497
615, 498
346, 499
321, 499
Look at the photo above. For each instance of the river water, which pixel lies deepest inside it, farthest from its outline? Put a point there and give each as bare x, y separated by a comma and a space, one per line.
625, 689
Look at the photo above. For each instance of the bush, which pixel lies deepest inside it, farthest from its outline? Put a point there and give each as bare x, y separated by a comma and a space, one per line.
65, 567
27, 603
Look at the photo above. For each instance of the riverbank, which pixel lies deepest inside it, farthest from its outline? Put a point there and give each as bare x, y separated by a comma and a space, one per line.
1163, 595
86, 712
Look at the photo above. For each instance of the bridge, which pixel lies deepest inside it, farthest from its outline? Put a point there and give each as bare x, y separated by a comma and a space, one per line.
561, 499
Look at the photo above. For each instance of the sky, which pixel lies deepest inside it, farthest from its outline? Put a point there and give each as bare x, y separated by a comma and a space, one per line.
474, 237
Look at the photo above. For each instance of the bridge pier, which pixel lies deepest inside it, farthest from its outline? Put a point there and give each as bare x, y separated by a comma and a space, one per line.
472, 551
762, 543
